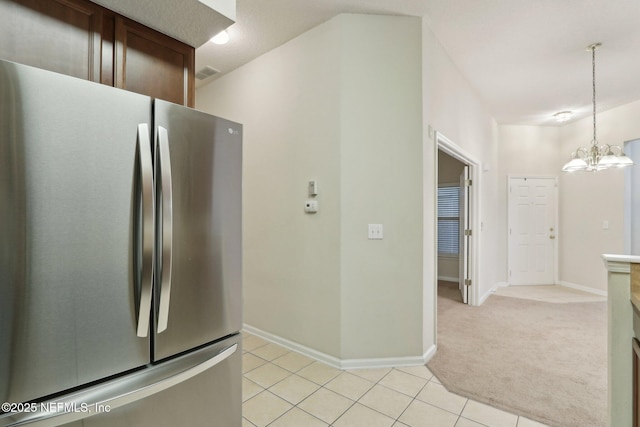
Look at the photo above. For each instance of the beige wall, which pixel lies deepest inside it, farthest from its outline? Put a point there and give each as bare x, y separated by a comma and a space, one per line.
533, 151
288, 102
588, 199
340, 104
449, 169
381, 174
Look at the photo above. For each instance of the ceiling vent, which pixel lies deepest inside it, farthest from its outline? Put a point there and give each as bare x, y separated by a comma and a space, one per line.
206, 72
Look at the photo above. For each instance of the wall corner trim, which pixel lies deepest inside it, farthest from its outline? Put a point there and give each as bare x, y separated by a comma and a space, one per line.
332, 361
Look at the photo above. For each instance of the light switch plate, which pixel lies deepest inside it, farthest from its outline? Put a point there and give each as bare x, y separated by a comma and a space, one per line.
375, 231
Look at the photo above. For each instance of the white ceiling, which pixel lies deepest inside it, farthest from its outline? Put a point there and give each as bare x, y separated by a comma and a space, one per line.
527, 59
199, 19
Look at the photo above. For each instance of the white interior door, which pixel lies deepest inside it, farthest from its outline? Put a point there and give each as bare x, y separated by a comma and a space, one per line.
532, 231
464, 277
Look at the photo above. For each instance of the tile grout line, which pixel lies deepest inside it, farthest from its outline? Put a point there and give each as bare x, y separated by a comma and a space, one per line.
353, 402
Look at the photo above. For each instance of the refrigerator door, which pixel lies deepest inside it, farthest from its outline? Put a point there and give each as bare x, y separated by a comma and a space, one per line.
199, 200
69, 250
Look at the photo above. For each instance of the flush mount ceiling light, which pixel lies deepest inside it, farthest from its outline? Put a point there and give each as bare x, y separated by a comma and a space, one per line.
596, 157
220, 38
563, 116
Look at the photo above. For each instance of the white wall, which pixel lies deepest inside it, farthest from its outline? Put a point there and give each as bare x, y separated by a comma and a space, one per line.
589, 199
341, 104
452, 107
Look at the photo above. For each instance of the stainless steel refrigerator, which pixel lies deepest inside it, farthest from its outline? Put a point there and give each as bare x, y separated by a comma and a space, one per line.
120, 257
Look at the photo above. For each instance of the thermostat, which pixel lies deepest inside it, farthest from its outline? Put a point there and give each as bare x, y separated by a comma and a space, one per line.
311, 206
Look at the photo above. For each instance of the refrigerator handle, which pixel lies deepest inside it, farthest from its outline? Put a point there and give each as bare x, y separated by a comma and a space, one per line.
146, 285
166, 232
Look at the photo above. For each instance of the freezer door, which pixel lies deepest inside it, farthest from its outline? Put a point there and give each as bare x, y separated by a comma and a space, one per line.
199, 203
202, 388
69, 199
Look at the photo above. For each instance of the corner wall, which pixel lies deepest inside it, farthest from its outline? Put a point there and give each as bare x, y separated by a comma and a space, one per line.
381, 180
340, 104
288, 102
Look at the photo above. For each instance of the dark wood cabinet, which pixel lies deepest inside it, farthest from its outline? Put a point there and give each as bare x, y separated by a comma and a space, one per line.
151, 63
62, 36
82, 39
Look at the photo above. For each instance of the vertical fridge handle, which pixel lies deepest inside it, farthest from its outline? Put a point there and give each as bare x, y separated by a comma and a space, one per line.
166, 231
146, 285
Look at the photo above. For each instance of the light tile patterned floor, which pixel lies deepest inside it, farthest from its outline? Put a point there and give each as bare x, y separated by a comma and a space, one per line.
282, 388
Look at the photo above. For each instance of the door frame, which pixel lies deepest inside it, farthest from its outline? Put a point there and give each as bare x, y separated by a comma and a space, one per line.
452, 149
556, 276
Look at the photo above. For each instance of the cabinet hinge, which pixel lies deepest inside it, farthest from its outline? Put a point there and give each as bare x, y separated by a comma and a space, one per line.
467, 282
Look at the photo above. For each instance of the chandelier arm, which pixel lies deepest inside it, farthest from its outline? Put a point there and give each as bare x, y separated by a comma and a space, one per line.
617, 148
582, 153
593, 74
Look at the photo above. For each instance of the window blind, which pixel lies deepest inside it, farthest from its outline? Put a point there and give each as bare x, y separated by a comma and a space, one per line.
448, 220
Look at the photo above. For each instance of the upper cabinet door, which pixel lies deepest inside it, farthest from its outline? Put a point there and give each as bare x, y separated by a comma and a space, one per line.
62, 35
153, 64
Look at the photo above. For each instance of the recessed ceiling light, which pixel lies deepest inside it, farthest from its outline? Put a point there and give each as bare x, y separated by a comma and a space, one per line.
221, 38
563, 116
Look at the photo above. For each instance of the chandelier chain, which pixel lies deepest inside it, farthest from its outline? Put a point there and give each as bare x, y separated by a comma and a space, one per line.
593, 73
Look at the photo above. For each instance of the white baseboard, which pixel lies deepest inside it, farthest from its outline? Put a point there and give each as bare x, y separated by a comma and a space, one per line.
299, 348
448, 279
337, 363
583, 288
431, 351
484, 297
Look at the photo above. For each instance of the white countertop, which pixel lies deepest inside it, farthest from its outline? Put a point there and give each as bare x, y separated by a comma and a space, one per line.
621, 258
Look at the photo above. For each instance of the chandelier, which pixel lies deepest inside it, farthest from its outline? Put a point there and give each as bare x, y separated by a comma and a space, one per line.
596, 157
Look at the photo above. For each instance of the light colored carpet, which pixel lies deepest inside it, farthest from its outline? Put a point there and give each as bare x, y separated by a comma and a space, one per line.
549, 293
545, 361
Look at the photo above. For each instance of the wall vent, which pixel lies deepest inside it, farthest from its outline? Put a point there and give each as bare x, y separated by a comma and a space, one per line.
206, 72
